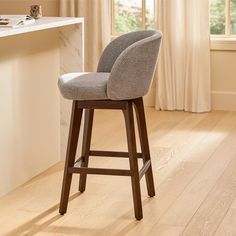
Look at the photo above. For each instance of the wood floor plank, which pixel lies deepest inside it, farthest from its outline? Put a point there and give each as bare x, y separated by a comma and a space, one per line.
182, 174
182, 169
215, 206
234, 204
177, 182
186, 153
187, 204
167, 230
186, 144
228, 224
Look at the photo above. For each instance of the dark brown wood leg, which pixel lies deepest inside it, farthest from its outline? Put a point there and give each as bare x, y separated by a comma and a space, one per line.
139, 108
83, 170
88, 123
76, 116
129, 121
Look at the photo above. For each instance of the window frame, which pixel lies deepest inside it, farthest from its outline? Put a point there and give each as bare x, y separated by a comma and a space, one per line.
227, 34
144, 8
225, 41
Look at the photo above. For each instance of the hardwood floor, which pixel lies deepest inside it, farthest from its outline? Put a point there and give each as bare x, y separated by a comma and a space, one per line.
194, 164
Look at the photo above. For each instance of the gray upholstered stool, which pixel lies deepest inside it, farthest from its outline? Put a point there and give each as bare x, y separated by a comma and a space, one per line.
123, 77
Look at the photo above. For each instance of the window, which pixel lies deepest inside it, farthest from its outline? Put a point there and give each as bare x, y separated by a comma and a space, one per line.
223, 17
132, 15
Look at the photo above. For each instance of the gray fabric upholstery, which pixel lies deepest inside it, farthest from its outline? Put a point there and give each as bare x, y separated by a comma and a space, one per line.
125, 70
132, 73
117, 46
84, 86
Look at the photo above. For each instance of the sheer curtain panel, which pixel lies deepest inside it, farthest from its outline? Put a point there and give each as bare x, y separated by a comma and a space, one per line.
184, 65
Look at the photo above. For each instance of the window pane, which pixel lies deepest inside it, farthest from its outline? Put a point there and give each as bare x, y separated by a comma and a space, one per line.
150, 20
128, 15
233, 16
217, 16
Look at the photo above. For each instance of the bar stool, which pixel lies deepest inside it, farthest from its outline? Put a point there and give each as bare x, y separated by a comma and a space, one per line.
123, 77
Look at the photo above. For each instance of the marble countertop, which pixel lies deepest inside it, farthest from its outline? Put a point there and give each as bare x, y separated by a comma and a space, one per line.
41, 24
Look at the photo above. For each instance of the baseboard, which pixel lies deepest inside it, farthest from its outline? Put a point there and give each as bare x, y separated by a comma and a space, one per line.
223, 100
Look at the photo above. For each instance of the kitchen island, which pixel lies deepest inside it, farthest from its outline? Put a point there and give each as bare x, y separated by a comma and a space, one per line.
33, 116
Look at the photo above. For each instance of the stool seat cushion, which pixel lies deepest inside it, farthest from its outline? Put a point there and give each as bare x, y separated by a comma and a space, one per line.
84, 86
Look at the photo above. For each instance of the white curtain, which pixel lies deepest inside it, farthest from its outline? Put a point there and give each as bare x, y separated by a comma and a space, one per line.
184, 63
97, 26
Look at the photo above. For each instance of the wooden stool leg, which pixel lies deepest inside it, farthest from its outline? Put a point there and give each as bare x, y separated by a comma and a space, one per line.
88, 123
129, 121
139, 107
76, 116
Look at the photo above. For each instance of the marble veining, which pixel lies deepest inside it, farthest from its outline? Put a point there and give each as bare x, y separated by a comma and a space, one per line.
71, 60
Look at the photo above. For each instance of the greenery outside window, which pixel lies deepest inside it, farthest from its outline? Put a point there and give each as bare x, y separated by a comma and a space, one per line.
132, 15
223, 18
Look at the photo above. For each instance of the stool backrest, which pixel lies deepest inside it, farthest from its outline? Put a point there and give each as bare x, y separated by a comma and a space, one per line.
131, 60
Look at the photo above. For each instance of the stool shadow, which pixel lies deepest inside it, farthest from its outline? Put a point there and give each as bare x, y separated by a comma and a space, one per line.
33, 226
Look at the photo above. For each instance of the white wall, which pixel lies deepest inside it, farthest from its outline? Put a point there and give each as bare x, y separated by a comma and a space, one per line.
223, 73
50, 7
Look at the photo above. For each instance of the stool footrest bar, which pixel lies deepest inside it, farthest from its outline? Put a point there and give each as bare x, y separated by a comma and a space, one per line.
112, 154
99, 171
